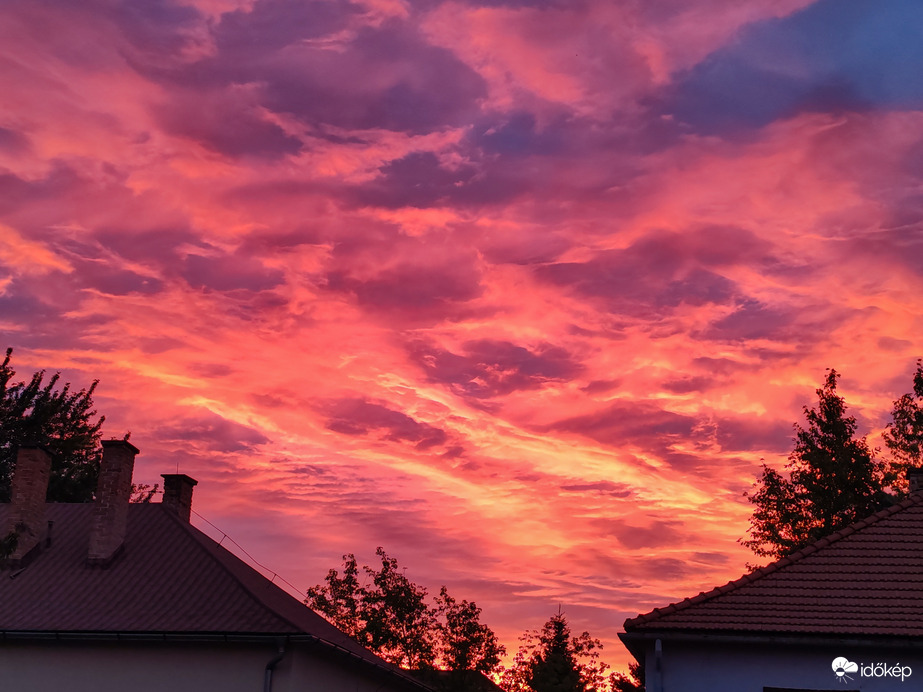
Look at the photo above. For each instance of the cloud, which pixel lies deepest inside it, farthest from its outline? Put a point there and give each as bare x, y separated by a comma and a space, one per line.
634, 537
602, 487
206, 432
227, 122
755, 433
754, 320
360, 417
333, 70
492, 368
415, 180
229, 272
833, 56
13, 142
654, 274
625, 423
416, 292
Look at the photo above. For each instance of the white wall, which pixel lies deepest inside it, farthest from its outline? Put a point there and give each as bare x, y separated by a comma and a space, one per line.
174, 667
717, 667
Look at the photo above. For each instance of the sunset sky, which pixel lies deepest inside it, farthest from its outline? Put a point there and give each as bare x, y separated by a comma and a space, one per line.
523, 291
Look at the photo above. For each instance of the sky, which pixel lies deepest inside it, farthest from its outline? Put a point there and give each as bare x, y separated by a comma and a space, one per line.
523, 291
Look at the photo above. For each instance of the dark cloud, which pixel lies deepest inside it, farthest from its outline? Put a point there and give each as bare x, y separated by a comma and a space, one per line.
534, 246
113, 280
212, 432
657, 534
274, 241
13, 142
754, 434
385, 77
686, 384
597, 386
754, 320
420, 292
46, 326
832, 56
888, 343
655, 274
271, 25
637, 423
516, 135
360, 417
601, 487
719, 366
226, 123
154, 27
229, 272
710, 558
416, 180
157, 246
490, 368
60, 183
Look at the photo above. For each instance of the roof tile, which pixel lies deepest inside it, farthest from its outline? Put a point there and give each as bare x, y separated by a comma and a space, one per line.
864, 579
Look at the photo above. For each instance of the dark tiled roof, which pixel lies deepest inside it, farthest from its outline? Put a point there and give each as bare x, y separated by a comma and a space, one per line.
170, 579
866, 579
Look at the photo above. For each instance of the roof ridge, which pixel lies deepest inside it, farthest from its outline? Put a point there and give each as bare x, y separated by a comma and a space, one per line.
914, 498
199, 537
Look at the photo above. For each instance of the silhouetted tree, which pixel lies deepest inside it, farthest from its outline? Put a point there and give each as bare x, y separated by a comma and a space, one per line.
340, 599
464, 642
391, 617
904, 435
39, 412
633, 682
833, 479
143, 493
399, 625
551, 660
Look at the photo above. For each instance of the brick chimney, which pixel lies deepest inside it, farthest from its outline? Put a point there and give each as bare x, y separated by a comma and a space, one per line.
177, 493
915, 478
113, 492
28, 489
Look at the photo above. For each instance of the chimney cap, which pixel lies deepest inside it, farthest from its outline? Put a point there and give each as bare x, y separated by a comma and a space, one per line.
117, 442
179, 477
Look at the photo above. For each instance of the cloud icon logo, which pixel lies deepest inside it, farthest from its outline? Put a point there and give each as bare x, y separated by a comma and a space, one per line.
841, 666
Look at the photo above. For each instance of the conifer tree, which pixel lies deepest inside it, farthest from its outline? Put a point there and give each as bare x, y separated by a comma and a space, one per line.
904, 434
832, 480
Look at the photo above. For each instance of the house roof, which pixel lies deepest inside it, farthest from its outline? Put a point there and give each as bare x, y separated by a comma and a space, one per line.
866, 579
170, 579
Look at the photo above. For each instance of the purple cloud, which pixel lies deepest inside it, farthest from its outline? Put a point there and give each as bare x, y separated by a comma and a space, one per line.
360, 417
491, 368
834, 55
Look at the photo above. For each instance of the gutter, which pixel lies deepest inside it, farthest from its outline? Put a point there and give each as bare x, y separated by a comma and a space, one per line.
271, 666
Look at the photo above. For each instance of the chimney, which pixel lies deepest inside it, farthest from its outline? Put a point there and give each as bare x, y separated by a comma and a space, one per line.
113, 492
28, 489
177, 493
915, 478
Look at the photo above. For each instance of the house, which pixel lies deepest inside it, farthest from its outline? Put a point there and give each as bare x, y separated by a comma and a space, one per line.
845, 613
117, 596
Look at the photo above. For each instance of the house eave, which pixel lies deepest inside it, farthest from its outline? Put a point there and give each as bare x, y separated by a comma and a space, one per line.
637, 642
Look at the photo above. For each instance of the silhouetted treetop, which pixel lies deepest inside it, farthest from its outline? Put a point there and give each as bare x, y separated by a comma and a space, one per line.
39, 412
831, 480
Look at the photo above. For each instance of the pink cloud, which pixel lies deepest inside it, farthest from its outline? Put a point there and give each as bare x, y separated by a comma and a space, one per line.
461, 280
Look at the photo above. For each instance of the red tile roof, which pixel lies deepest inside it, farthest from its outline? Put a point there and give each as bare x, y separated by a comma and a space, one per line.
170, 580
866, 579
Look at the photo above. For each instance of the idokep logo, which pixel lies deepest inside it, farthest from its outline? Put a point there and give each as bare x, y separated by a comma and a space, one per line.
843, 666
